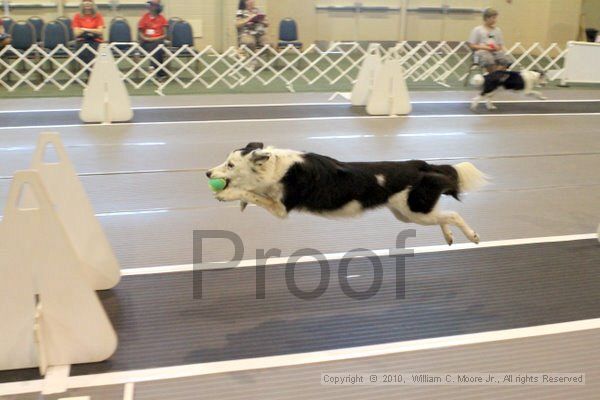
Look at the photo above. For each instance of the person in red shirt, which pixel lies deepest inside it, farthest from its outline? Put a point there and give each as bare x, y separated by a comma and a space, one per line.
153, 30
88, 27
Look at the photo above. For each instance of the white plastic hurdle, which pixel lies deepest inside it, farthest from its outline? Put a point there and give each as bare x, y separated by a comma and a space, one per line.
106, 98
390, 93
53, 256
361, 91
76, 213
381, 85
581, 63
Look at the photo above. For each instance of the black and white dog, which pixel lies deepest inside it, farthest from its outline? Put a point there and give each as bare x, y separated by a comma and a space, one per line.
525, 81
284, 180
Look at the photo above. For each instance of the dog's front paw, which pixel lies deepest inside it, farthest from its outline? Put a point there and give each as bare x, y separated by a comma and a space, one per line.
220, 197
473, 106
228, 195
542, 98
280, 212
491, 107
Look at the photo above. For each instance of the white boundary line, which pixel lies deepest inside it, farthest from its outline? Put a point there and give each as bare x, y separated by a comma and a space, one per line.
190, 107
508, 101
260, 363
301, 104
260, 120
338, 256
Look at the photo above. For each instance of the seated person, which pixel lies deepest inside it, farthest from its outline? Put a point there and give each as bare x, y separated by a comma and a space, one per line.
488, 44
153, 28
88, 28
251, 25
4, 36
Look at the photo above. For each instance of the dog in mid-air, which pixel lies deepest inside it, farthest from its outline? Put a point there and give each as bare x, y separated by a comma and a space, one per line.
525, 81
284, 180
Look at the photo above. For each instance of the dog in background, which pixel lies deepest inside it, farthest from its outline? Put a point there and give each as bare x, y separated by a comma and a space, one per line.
524, 81
282, 180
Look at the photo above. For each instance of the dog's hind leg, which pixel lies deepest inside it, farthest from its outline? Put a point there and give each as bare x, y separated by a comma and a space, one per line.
399, 207
454, 218
399, 216
538, 95
475, 102
447, 234
432, 218
445, 227
488, 104
443, 219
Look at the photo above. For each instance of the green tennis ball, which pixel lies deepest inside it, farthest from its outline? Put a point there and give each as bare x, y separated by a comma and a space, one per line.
217, 185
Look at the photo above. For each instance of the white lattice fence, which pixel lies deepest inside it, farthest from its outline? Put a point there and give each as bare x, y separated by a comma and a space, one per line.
186, 67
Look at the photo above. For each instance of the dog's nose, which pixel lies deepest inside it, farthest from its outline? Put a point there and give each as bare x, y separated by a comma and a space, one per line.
208, 174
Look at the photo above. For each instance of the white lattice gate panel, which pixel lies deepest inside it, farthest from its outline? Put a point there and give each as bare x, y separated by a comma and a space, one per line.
186, 67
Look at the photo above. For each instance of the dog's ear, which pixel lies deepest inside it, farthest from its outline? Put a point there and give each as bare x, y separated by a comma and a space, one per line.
259, 157
255, 145
250, 147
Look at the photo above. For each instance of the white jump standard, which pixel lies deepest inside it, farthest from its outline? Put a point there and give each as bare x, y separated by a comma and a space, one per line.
54, 255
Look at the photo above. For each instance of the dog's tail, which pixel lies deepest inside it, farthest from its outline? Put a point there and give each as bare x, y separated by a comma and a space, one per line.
469, 177
453, 180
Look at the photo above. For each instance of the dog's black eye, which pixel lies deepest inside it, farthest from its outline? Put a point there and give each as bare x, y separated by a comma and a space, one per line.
230, 165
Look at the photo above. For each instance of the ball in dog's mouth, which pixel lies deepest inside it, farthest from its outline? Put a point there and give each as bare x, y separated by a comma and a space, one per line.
218, 184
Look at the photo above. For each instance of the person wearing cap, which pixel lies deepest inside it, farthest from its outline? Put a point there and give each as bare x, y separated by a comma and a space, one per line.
488, 43
153, 30
88, 28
